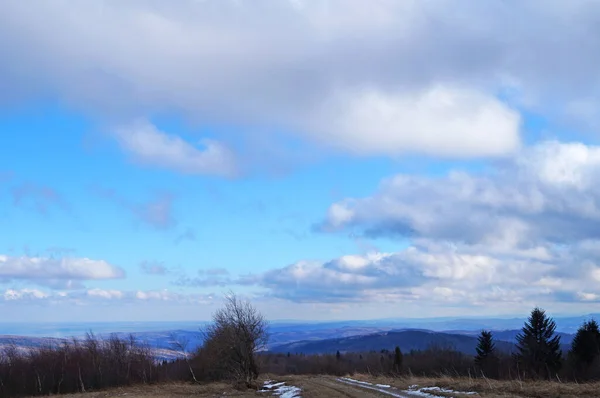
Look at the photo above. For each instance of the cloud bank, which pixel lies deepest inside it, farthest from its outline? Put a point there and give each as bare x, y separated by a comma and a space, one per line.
62, 273
522, 232
432, 77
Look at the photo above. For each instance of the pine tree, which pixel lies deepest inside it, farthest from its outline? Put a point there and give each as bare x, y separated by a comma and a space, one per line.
338, 355
538, 348
585, 348
486, 348
486, 353
398, 357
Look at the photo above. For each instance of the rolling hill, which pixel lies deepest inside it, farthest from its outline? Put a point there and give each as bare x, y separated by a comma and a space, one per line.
406, 339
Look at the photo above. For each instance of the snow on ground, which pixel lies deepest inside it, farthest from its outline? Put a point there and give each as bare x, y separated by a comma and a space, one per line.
414, 390
281, 390
356, 381
369, 386
430, 391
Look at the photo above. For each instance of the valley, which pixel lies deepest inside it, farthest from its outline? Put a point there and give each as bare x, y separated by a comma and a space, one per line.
169, 340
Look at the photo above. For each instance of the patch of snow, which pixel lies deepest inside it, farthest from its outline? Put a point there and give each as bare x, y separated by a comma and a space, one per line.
419, 393
365, 383
270, 385
430, 391
369, 386
414, 390
281, 390
356, 381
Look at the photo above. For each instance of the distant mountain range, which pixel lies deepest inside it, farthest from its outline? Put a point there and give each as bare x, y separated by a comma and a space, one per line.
511, 335
407, 340
306, 337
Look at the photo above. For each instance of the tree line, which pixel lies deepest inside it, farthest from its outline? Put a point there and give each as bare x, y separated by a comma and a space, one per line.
231, 342
234, 350
538, 355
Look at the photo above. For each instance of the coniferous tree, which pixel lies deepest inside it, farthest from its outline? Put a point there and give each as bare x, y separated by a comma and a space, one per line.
398, 357
486, 347
338, 355
538, 347
486, 353
585, 348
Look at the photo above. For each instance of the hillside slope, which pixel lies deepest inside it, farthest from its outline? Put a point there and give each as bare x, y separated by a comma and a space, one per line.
407, 340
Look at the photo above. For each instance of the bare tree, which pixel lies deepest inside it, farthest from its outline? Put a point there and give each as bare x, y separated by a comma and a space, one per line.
238, 331
181, 345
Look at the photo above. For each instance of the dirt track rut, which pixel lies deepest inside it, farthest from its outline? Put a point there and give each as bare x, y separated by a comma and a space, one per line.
331, 387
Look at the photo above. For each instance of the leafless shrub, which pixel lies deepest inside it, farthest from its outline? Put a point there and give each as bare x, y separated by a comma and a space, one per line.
76, 366
238, 331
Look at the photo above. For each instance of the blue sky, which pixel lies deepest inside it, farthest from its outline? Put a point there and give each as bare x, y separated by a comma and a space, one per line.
418, 159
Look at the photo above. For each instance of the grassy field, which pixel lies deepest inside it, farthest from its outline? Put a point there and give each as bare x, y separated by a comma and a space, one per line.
493, 388
332, 387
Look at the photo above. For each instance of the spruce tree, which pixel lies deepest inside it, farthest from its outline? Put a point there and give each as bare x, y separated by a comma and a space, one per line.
538, 348
486, 348
486, 359
585, 348
398, 359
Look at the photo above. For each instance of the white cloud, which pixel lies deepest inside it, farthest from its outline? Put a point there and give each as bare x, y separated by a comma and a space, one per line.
549, 192
444, 121
589, 296
437, 274
105, 294
24, 294
108, 296
523, 231
59, 271
155, 295
147, 145
412, 76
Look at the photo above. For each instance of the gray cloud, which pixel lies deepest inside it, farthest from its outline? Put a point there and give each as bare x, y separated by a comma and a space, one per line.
523, 231
206, 278
547, 193
435, 273
154, 268
157, 212
427, 80
39, 197
188, 234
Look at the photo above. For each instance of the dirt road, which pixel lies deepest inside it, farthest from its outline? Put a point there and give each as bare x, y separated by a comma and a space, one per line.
311, 387
337, 388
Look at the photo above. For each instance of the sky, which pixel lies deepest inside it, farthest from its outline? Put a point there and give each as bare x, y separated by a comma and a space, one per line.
324, 159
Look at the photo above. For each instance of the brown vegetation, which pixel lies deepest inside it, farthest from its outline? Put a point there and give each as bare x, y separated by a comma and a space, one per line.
491, 388
239, 331
84, 365
92, 364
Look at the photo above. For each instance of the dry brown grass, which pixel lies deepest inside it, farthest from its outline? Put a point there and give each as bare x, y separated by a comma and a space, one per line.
160, 390
321, 386
179, 390
493, 388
